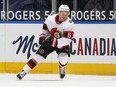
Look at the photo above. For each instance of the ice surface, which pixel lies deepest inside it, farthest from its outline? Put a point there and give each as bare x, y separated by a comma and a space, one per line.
53, 80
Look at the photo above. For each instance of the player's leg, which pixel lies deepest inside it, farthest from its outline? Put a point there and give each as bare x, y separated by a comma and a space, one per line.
63, 61
41, 54
30, 65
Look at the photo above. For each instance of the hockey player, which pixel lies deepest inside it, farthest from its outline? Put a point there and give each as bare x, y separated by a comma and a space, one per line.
56, 36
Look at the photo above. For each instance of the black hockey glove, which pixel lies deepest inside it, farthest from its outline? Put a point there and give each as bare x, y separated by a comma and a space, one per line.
47, 42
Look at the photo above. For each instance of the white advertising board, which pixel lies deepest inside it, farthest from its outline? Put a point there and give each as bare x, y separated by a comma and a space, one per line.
2, 42
92, 43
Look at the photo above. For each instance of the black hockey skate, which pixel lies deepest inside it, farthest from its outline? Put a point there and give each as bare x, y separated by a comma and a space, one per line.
62, 72
21, 75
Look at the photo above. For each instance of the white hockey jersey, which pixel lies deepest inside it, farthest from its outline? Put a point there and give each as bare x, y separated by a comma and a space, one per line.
63, 31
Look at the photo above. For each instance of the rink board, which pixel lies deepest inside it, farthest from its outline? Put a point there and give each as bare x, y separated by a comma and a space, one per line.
53, 68
93, 49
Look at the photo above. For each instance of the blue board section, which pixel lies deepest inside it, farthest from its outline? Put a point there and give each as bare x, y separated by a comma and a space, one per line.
76, 22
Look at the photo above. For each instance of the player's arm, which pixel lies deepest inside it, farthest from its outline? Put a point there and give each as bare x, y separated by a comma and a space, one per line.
44, 38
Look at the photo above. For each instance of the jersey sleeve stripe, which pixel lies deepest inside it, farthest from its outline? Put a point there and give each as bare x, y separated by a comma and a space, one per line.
45, 27
54, 43
42, 35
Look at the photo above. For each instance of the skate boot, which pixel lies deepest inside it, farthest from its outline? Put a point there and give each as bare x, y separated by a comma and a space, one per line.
62, 72
21, 75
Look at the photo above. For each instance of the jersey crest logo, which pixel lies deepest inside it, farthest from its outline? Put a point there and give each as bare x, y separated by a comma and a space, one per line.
57, 34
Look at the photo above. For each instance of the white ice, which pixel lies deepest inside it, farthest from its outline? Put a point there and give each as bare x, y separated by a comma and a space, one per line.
53, 80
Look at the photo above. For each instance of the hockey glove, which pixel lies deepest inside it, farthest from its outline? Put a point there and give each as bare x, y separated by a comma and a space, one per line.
47, 42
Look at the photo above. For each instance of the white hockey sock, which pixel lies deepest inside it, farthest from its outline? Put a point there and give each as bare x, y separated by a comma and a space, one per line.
63, 59
32, 63
26, 68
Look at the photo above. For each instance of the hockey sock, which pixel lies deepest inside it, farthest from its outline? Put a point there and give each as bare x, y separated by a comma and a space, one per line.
63, 59
30, 65
33, 62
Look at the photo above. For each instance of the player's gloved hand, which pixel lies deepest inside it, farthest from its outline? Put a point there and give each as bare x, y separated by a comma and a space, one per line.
50, 41
47, 42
